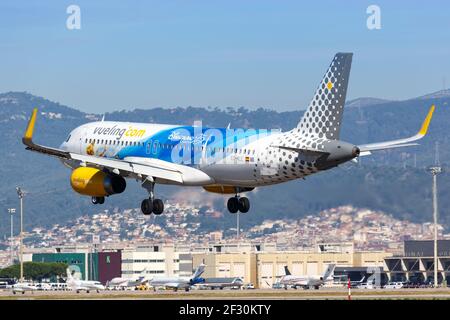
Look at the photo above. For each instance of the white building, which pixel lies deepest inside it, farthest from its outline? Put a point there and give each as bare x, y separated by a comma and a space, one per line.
157, 260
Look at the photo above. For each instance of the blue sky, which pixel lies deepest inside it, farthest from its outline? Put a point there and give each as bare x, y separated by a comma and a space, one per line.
143, 54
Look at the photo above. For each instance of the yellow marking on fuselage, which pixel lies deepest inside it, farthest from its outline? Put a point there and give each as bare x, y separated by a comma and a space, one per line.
134, 132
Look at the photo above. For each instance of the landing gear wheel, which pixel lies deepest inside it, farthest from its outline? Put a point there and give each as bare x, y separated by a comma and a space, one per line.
98, 200
233, 205
244, 205
146, 206
158, 206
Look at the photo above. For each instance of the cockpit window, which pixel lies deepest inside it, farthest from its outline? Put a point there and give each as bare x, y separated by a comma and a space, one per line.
68, 138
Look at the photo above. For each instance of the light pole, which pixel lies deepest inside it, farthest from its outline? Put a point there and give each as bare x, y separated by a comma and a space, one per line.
435, 170
11, 211
21, 194
237, 226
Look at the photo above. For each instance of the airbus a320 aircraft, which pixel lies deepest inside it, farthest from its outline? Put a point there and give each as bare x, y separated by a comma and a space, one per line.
221, 160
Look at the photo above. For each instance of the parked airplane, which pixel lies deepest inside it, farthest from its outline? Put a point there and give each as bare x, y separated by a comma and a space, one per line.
176, 283
307, 282
124, 283
220, 283
355, 284
221, 160
82, 285
23, 287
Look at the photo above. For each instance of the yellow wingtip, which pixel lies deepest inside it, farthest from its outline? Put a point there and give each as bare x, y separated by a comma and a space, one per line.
30, 128
426, 122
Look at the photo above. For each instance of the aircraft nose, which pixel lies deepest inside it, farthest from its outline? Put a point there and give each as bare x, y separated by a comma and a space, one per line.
355, 151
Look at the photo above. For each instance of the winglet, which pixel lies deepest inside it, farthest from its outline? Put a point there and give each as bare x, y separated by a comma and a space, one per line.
27, 138
423, 130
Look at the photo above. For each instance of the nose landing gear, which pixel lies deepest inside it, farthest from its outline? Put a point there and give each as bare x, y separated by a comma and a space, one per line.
98, 200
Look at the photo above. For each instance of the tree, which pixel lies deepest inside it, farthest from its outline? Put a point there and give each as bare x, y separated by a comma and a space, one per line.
35, 270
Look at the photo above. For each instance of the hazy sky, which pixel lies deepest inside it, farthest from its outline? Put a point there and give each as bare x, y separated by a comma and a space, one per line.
145, 54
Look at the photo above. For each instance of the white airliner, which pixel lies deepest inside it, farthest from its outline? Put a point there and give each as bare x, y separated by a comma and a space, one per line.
176, 283
221, 160
307, 282
83, 285
123, 283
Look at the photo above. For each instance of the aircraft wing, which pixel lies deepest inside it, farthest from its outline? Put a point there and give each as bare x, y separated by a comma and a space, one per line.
406, 142
130, 167
157, 169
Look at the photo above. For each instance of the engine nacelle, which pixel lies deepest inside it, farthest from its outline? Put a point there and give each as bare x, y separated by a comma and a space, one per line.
96, 183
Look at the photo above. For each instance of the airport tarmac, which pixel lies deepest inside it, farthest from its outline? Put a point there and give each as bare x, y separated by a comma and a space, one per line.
256, 294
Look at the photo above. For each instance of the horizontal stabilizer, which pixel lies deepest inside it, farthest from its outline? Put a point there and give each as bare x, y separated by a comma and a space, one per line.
309, 152
406, 142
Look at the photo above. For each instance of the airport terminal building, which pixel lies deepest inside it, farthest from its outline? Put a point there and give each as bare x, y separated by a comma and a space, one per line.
416, 264
261, 264
264, 268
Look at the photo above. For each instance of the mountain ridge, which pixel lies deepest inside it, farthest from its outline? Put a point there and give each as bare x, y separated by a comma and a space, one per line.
393, 181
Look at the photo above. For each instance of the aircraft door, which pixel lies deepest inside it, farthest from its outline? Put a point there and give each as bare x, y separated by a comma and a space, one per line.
148, 147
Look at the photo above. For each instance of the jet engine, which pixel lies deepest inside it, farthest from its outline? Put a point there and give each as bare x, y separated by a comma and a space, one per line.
96, 183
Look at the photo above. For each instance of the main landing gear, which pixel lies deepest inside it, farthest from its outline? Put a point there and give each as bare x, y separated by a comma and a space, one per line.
238, 203
98, 200
151, 205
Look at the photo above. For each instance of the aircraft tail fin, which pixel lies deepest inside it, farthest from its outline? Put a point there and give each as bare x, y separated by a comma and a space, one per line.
329, 271
199, 271
69, 274
323, 117
286, 271
143, 272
